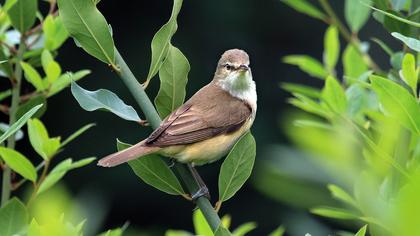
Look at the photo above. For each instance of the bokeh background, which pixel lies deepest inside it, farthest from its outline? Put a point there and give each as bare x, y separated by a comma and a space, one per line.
267, 30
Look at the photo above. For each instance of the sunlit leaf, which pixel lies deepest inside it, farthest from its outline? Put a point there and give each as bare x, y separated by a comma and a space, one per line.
278, 232
32, 76
237, 167
362, 231
336, 213
161, 41
333, 95
55, 175
18, 124
342, 195
397, 102
23, 14
155, 172
18, 163
113, 232
305, 7
77, 134
54, 31
353, 63
173, 79
88, 26
65, 80
222, 231
301, 89
410, 42
13, 218
409, 73
356, 14
201, 227
244, 229
172, 232
103, 99
307, 64
45, 146
331, 48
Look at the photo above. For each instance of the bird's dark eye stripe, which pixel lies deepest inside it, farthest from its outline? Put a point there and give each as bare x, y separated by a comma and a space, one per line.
229, 67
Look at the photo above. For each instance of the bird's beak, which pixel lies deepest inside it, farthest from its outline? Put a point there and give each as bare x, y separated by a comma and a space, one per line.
243, 68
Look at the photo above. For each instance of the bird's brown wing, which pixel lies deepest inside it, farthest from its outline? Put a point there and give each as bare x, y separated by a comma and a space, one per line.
200, 119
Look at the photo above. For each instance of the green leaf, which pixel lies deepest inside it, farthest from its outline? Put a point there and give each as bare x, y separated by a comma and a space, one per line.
103, 99
331, 48
154, 171
82, 162
305, 7
278, 232
88, 26
222, 231
301, 89
65, 80
339, 194
362, 231
13, 218
8, 4
77, 134
53, 71
201, 227
243, 229
32, 76
18, 163
416, 24
353, 63
397, 102
335, 213
409, 73
46, 58
237, 167
5, 94
307, 64
309, 105
173, 78
54, 32
34, 228
28, 105
172, 232
23, 14
55, 175
45, 146
385, 47
410, 42
356, 14
161, 41
112, 232
333, 95
18, 124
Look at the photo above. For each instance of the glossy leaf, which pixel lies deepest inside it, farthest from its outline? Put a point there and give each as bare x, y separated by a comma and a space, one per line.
362, 231
331, 48
173, 78
32, 76
18, 163
161, 41
237, 167
333, 95
77, 134
244, 229
19, 123
65, 80
54, 32
155, 172
13, 218
397, 102
335, 213
88, 26
410, 42
356, 14
353, 63
103, 99
45, 146
409, 73
303, 6
23, 14
307, 64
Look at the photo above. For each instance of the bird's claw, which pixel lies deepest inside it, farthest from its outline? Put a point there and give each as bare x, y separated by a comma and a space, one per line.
203, 191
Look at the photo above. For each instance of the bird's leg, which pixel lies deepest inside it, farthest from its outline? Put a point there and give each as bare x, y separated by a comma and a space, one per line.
202, 190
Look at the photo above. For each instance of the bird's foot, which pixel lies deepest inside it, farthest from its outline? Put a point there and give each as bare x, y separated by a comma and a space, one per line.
202, 191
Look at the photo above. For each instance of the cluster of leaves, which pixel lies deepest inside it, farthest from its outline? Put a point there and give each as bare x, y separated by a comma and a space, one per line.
92, 33
364, 129
29, 41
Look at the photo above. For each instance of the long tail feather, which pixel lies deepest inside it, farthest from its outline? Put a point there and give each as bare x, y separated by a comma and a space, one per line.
133, 152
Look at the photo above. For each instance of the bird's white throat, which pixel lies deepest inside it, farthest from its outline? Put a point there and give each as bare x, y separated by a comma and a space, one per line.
240, 85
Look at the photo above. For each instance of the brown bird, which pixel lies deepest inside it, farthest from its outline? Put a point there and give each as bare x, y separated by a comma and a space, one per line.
206, 126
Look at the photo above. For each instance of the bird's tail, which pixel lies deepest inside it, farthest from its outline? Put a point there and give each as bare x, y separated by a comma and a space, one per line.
138, 150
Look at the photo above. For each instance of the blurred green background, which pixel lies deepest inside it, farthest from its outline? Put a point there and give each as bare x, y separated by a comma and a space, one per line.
267, 30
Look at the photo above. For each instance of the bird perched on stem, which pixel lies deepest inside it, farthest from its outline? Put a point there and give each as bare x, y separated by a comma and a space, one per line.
205, 127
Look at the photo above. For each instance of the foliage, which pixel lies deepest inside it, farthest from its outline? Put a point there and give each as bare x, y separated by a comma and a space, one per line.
362, 126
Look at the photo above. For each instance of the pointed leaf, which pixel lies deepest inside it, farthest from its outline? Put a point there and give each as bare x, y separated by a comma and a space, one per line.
305, 7
307, 64
335, 213
237, 167
362, 231
55, 175
353, 63
356, 13
13, 218
278, 232
410, 42
77, 134
243, 229
88, 26
28, 105
53, 71
112, 232
54, 31
23, 14
103, 99
154, 171
222, 231
45, 146
173, 79
18, 163
397, 102
33, 76
82, 162
409, 73
301, 89
340, 194
65, 80
333, 94
331, 48
161, 41
18, 124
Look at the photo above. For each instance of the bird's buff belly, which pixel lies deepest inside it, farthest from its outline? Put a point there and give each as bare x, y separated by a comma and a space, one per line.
205, 151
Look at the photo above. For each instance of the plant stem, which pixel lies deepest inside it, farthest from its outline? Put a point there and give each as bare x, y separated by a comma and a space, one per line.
352, 39
16, 82
153, 118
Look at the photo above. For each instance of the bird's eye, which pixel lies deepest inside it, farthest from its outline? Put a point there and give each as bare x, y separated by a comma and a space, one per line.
228, 67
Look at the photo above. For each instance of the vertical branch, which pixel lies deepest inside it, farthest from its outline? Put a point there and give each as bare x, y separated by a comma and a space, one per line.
153, 118
16, 84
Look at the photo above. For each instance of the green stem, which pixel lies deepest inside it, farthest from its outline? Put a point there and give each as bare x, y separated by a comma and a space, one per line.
153, 118
16, 82
352, 39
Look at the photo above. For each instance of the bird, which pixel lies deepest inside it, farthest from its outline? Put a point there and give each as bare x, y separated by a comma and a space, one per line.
205, 127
